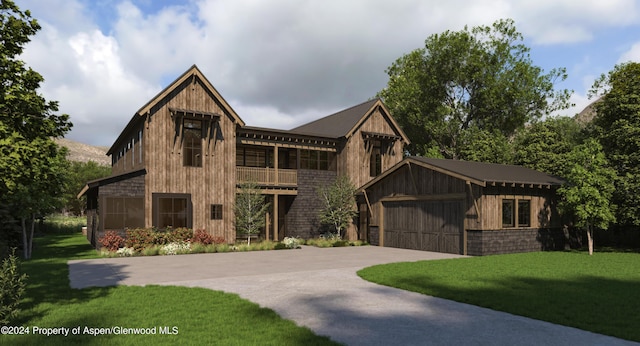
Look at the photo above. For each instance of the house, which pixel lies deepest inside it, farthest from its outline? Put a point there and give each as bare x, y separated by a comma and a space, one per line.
462, 207
180, 159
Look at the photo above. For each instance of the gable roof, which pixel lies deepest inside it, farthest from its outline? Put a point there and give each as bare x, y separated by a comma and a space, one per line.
110, 180
345, 122
193, 71
479, 173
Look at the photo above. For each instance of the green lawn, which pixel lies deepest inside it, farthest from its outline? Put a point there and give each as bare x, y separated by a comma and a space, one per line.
200, 316
599, 293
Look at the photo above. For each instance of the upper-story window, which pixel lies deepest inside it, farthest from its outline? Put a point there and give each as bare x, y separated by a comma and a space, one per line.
192, 143
375, 161
317, 159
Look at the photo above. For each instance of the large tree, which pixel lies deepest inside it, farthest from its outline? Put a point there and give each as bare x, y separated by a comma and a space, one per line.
587, 194
479, 78
545, 145
78, 175
31, 165
617, 125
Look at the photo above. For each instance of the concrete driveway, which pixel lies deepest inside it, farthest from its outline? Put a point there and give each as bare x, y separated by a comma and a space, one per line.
319, 289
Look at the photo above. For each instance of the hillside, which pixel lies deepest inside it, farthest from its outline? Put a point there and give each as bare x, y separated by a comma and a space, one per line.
83, 152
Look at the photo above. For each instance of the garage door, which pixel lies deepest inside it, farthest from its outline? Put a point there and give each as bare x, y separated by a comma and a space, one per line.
424, 225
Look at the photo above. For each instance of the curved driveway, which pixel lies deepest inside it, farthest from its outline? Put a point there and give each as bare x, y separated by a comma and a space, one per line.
319, 289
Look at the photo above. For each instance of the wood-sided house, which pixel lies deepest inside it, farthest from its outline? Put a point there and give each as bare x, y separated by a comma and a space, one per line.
180, 159
463, 207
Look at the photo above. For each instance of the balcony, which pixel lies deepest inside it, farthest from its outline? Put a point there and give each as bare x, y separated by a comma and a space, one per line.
267, 176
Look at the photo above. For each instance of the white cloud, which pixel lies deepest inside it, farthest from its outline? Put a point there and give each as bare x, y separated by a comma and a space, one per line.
633, 54
279, 63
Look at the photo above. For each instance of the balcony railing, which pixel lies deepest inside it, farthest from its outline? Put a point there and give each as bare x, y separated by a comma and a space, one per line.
267, 176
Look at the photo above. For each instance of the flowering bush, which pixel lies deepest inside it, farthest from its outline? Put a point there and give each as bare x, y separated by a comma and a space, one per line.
175, 248
126, 251
112, 241
291, 242
201, 236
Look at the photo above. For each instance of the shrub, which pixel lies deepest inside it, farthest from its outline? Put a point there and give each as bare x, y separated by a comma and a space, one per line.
224, 248
153, 250
175, 248
280, 246
198, 248
291, 242
180, 235
12, 287
140, 238
201, 236
112, 241
126, 252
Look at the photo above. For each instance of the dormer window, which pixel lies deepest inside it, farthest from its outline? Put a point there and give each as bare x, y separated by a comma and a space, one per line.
192, 143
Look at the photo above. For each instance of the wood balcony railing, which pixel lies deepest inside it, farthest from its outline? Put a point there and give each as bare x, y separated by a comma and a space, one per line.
267, 176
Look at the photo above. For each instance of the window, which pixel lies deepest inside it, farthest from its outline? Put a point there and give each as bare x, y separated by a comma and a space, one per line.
375, 161
123, 212
508, 213
317, 159
516, 214
254, 157
192, 139
524, 213
171, 210
216, 212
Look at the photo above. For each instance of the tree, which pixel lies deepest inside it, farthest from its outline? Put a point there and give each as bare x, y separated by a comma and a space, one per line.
250, 210
338, 204
617, 126
545, 145
589, 188
481, 78
78, 175
485, 146
31, 165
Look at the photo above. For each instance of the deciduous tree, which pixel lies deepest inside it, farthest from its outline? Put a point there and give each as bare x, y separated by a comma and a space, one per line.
589, 188
31, 165
617, 124
480, 78
338, 204
250, 210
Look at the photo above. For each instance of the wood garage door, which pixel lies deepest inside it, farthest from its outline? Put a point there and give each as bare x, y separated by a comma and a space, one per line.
424, 225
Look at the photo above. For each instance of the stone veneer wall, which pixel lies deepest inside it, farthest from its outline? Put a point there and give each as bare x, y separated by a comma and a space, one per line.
302, 218
493, 242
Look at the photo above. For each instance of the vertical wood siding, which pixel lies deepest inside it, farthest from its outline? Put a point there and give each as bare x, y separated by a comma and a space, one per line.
214, 182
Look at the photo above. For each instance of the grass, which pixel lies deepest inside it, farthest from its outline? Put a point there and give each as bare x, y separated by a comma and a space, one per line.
598, 293
201, 316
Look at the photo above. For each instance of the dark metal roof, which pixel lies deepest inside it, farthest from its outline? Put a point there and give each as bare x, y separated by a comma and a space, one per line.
338, 124
491, 172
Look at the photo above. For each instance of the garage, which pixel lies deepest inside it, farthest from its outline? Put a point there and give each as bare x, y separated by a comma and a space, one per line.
461, 207
424, 225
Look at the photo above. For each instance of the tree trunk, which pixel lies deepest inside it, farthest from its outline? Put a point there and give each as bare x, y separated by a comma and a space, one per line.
25, 248
33, 225
590, 239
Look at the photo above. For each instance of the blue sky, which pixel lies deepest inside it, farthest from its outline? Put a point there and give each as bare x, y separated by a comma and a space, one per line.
281, 63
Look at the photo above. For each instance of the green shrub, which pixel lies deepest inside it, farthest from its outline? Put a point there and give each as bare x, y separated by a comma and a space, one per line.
340, 243
280, 246
112, 241
153, 250
223, 248
140, 238
12, 287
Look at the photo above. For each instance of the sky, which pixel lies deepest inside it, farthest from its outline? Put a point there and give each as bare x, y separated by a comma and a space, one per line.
282, 63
